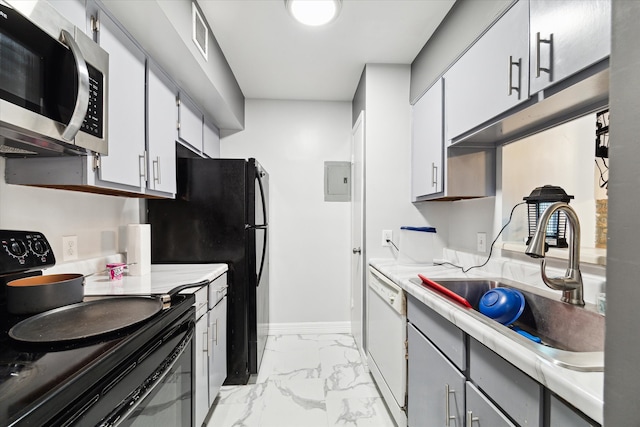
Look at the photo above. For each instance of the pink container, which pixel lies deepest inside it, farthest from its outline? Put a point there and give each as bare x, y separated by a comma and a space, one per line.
116, 270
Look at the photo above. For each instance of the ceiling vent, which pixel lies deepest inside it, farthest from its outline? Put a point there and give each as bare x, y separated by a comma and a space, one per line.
200, 31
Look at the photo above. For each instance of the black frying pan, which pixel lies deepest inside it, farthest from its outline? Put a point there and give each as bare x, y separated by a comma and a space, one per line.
93, 318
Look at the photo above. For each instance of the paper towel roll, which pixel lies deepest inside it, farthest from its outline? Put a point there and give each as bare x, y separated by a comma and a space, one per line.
139, 249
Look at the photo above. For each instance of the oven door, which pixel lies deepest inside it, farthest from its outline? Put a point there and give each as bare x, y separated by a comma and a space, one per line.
153, 388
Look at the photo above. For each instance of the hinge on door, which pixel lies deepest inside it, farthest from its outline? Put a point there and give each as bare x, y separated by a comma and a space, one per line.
96, 161
95, 24
406, 349
178, 102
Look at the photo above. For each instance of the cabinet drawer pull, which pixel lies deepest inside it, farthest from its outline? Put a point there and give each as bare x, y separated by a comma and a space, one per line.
471, 419
447, 406
511, 87
539, 69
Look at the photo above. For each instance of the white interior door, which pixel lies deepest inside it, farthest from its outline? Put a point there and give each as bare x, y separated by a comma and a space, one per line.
357, 235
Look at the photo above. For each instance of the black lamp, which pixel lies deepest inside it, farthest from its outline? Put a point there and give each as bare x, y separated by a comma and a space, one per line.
541, 198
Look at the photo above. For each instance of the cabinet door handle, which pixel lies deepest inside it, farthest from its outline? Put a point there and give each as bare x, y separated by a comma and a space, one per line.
156, 170
511, 87
471, 419
447, 406
215, 333
549, 41
434, 175
205, 347
142, 158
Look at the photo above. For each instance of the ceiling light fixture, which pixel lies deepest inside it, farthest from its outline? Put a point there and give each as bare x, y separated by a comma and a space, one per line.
313, 12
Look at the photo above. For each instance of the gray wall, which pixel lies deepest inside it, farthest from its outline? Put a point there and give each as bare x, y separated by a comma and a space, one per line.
464, 23
622, 377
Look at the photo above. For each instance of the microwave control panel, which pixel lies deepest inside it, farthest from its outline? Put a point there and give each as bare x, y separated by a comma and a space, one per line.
93, 123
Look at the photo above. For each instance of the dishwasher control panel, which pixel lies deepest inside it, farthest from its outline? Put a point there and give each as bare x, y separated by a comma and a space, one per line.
391, 293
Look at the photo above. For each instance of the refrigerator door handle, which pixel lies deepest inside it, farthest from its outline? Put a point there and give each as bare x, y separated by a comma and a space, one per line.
256, 227
262, 226
264, 253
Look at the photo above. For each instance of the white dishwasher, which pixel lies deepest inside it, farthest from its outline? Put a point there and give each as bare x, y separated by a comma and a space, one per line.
386, 342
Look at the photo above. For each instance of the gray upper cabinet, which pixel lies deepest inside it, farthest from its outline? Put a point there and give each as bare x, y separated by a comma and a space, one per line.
74, 11
492, 76
211, 140
162, 132
567, 36
190, 128
427, 144
125, 163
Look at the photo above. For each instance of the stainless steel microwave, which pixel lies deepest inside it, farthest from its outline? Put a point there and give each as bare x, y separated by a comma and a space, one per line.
53, 84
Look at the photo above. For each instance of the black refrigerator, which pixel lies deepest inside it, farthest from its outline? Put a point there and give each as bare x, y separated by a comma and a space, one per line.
220, 215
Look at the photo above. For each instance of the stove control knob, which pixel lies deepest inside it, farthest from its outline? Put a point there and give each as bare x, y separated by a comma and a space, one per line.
17, 248
39, 247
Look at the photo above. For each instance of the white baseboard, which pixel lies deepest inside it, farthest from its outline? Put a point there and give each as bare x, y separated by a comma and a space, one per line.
309, 328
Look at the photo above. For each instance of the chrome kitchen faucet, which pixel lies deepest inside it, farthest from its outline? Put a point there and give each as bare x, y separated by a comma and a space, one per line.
571, 283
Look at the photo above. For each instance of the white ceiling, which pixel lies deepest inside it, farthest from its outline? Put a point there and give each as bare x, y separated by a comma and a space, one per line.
274, 57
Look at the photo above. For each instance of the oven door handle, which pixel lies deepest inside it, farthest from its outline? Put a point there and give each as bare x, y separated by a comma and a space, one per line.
82, 100
136, 397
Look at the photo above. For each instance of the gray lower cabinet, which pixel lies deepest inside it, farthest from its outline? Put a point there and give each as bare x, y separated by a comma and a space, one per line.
201, 357
481, 412
454, 380
436, 386
217, 348
201, 371
561, 415
513, 390
210, 346
447, 337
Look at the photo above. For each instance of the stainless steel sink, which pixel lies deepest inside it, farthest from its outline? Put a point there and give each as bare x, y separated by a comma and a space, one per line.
572, 336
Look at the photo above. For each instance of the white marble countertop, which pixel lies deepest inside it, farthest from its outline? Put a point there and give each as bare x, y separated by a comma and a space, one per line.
584, 390
162, 279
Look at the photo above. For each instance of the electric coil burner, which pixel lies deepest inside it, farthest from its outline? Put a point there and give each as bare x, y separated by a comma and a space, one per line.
109, 379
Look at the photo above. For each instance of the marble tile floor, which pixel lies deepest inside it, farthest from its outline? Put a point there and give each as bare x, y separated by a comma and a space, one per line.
305, 381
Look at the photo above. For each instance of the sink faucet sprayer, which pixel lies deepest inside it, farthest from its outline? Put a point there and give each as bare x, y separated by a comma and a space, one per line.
571, 283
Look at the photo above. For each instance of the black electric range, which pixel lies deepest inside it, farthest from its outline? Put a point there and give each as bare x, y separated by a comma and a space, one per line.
83, 382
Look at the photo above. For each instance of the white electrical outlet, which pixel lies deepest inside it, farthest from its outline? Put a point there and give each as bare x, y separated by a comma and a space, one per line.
387, 237
69, 248
481, 242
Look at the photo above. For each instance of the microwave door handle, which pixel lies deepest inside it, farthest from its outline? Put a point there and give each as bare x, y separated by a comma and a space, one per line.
82, 101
